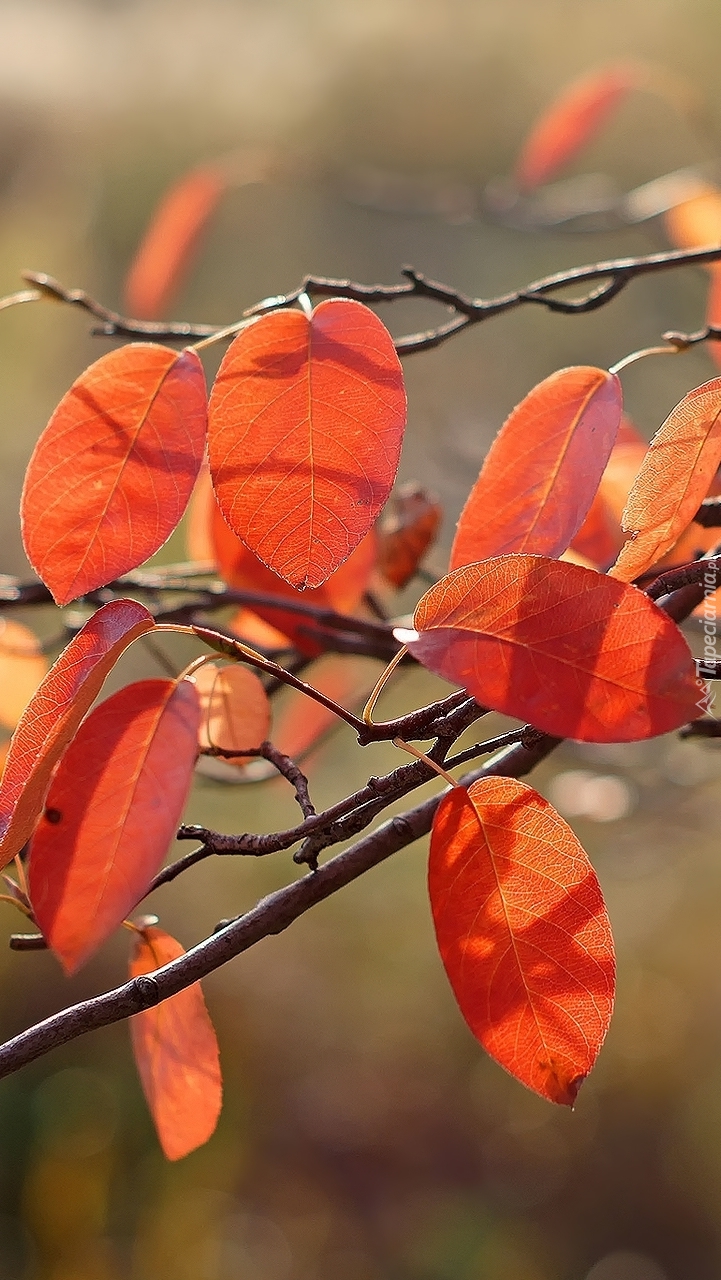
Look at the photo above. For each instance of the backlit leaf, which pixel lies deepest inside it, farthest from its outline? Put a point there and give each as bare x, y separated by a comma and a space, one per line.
572, 121
22, 666
112, 473
342, 592
112, 809
54, 713
572, 651
176, 1052
601, 537
169, 243
674, 479
543, 469
408, 529
693, 224
234, 708
523, 933
305, 427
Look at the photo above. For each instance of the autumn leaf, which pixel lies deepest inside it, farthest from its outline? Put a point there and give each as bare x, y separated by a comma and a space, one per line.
113, 471
176, 1052
305, 427
409, 527
342, 592
575, 653
572, 121
543, 469
167, 248
54, 713
680, 464
523, 933
234, 709
112, 809
22, 667
601, 537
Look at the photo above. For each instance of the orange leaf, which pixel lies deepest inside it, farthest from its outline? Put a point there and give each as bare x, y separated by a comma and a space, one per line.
571, 121
22, 666
176, 1052
601, 537
113, 471
695, 223
407, 533
523, 933
543, 468
198, 528
305, 427
713, 313
170, 240
54, 713
342, 592
572, 651
113, 808
681, 462
234, 709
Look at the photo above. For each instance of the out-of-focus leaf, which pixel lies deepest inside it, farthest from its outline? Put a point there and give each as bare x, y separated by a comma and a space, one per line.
169, 243
234, 709
523, 933
601, 537
674, 478
409, 528
22, 666
306, 421
54, 713
176, 1052
543, 469
112, 809
572, 651
113, 471
572, 120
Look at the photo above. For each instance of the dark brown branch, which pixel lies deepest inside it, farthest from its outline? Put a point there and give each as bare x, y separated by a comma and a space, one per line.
613, 276
701, 729
709, 513
704, 572
271, 916
286, 767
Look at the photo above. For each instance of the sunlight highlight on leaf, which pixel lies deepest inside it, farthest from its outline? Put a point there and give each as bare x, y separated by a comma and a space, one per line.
234, 709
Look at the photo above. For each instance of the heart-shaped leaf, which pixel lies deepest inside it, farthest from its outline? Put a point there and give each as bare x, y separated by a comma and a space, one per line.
113, 471
305, 427
523, 933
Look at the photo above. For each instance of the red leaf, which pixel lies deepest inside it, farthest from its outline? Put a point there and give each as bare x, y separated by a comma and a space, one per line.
601, 537
305, 427
113, 471
54, 713
571, 121
543, 468
407, 532
342, 592
574, 652
234, 709
113, 808
523, 933
674, 478
176, 1052
170, 240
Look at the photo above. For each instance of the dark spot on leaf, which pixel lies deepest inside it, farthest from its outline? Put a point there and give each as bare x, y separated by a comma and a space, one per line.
53, 815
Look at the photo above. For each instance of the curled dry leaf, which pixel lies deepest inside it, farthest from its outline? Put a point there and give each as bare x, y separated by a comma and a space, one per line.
306, 421
54, 713
166, 250
523, 933
113, 471
234, 709
176, 1052
543, 468
572, 121
409, 527
675, 476
22, 667
107, 822
575, 653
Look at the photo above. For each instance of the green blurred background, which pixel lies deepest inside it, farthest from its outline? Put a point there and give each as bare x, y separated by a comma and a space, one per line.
365, 1136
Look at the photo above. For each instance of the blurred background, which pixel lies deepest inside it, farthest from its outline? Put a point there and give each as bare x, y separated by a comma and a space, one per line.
365, 1135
